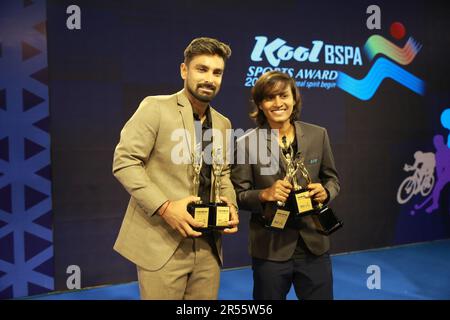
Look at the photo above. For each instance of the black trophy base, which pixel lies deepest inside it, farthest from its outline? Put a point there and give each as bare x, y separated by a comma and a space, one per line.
328, 221
214, 216
302, 205
277, 220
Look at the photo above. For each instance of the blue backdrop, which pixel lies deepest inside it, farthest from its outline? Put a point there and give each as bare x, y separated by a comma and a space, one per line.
383, 94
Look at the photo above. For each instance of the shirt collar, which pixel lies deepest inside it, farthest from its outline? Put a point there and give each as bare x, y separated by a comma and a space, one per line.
207, 122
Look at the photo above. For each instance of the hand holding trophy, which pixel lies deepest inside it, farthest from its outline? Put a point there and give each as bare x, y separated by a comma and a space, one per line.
213, 215
305, 205
278, 220
324, 218
198, 210
302, 203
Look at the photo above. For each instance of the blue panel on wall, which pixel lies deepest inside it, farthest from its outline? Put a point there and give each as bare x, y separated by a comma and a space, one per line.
5, 198
6, 248
26, 237
2, 98
30, 100
4, 149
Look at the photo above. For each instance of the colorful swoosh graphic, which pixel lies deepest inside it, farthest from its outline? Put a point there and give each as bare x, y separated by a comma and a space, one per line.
376, 44
383, 68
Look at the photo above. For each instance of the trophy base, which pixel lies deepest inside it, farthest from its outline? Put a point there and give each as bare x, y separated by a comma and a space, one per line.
213, 216
278, 220
327, 222
281, 217
303, 205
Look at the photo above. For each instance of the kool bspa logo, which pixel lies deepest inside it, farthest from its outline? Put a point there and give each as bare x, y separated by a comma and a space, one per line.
386, 56
277, 52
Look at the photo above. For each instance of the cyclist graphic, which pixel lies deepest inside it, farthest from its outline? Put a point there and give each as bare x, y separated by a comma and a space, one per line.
422, 179
442, 157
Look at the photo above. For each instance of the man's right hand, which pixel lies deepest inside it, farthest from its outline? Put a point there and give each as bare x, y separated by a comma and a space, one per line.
176, 216
279, 191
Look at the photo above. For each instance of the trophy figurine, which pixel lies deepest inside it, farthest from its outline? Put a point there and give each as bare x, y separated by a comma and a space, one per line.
277, 221
299, 200
220, 210
324, 218
198, 209
213, 215
304, 204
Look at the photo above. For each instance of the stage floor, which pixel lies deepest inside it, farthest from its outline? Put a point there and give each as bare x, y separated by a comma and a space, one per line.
409, 272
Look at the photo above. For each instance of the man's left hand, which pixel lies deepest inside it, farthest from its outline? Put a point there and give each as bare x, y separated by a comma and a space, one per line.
234, 217
317, 192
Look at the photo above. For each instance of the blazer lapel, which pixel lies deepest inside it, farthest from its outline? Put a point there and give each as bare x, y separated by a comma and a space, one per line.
301, 141
186, 113
215, 124
271, 143
300, 136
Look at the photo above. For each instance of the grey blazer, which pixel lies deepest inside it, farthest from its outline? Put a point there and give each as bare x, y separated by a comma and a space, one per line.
248, 181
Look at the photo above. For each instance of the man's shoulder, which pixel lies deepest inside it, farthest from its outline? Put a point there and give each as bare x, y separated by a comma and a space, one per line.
310, 127
157, 99
218, 115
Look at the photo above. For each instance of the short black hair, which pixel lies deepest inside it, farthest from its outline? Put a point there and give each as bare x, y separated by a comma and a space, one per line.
206, 45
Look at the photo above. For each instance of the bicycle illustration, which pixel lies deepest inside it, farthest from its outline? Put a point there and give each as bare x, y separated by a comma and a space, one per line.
422, 180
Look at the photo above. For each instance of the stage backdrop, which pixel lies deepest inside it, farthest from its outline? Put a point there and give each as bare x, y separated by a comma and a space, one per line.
375, 77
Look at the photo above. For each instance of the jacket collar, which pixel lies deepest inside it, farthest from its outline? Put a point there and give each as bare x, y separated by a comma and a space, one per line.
187, 116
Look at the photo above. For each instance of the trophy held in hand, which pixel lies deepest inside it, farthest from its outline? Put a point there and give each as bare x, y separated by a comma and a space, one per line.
324, 218
198, 210
278, 220
299, 198
214, 215
304, 204
299, 201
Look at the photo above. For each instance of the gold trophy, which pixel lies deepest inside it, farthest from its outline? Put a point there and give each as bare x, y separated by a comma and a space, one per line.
220, 212
299, 200
213, 215
198, 209
277, 221
304, 204
324, 218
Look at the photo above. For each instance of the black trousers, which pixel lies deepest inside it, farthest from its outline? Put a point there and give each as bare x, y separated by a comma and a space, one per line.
311, 276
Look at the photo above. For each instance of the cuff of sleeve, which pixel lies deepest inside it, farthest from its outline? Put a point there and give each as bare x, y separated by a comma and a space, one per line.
158, 205
253, 200
328, 196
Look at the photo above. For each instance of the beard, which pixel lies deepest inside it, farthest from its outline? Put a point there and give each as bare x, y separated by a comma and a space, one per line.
203, 97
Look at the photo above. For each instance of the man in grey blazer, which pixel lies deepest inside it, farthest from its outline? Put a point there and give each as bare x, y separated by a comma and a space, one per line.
296, 255
153, 161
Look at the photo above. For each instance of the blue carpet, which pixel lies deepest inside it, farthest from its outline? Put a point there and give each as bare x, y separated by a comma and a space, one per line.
417, 271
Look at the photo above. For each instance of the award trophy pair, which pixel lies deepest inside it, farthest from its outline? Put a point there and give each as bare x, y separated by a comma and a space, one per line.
214, 215
299, 203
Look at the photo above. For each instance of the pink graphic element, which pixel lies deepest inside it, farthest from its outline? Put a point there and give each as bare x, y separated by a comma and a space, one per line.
398, 31
442, 157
